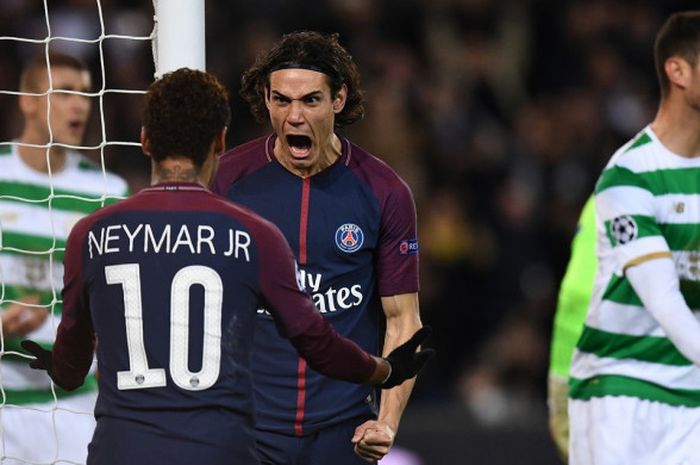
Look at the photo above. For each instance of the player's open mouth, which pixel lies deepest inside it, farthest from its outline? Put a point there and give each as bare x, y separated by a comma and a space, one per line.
299, 145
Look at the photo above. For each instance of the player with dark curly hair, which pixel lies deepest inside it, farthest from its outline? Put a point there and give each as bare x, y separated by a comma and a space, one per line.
307, 50
168, 282
183, 118
351, 221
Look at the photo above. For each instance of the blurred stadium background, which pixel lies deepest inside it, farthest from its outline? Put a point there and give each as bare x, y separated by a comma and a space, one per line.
500, 114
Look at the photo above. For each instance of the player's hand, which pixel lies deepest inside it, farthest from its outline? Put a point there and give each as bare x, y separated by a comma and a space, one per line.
405, 361
373, 440
558, 399
44, 361
19, 319
43, 356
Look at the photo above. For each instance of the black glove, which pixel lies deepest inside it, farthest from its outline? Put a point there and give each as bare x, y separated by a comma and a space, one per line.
43, 356
405, 361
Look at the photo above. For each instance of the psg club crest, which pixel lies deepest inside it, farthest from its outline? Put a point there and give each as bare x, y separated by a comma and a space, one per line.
349, 237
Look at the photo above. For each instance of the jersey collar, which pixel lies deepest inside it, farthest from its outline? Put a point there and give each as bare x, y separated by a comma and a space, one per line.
175, 186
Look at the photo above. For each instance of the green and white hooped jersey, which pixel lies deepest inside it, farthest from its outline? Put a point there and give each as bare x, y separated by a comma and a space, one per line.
37, 211
647, 206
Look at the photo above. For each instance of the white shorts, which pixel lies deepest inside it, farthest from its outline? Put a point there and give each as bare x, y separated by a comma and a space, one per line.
28, 432
630, 431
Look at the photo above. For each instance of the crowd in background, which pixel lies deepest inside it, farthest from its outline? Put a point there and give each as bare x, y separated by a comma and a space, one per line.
500, 114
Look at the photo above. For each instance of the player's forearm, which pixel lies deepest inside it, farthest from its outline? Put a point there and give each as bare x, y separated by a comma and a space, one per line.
68, 373
67, 376
332, 355
402, 322
656, 283
72, 355
74, 348
394, 403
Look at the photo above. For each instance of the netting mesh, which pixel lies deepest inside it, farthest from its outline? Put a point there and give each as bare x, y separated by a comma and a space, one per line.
32, 261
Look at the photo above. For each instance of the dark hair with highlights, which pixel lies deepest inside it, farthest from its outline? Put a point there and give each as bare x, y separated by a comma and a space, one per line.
679, 36
317, 51
184, 111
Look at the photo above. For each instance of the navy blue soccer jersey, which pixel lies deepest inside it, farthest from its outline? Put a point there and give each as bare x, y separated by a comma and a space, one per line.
168, 282
352, 227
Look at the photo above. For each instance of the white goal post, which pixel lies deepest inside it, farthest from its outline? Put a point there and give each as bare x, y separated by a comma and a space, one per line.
178, 35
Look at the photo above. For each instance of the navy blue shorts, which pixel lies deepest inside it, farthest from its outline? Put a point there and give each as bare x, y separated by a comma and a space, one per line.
120, 442
330, 445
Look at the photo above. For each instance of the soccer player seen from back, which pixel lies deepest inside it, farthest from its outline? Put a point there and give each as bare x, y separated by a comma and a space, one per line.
351, 221
634, 383
165, 285
46, 187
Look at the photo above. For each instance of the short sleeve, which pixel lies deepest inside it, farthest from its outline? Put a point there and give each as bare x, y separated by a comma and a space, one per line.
626, 211
397, 258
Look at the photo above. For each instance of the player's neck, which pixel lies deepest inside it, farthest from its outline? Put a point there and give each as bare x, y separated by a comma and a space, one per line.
36, 157
678, 128
175, 170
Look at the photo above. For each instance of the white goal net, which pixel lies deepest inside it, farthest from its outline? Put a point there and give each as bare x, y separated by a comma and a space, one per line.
124, 46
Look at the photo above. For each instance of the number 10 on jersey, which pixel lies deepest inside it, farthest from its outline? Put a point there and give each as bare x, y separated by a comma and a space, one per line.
140, 375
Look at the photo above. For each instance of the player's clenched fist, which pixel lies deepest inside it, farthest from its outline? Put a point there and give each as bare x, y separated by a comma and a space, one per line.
373, 440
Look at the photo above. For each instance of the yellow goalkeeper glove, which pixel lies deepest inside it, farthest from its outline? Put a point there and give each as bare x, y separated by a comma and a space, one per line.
558, 401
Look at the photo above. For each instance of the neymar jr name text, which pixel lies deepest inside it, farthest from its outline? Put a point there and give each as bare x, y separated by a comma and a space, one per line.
169, 239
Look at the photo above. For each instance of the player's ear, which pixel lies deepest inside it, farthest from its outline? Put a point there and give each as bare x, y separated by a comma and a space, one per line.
27, 104
145, 144
678, 70
340, 98
220, 141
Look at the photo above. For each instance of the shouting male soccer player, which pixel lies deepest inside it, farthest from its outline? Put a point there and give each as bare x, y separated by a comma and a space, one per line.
351, 221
